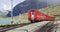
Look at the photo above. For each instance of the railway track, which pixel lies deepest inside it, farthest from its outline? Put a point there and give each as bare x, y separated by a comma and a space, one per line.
10, 27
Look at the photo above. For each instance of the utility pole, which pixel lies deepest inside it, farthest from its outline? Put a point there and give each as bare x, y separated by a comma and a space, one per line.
11, 12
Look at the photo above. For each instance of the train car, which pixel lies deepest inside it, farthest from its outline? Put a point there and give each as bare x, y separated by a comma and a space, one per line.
34, 16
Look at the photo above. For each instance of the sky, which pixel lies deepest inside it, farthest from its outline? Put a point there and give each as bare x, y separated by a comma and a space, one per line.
6, 4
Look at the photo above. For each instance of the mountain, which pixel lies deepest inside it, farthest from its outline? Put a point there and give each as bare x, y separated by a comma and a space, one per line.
23, 7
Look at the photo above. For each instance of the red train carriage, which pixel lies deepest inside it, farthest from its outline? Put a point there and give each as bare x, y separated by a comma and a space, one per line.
35, 15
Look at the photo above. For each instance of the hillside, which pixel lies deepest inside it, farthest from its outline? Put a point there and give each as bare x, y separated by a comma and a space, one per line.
20, 17
52, 10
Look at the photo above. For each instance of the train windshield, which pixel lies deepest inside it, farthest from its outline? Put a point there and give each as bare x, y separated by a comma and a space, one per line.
32, 12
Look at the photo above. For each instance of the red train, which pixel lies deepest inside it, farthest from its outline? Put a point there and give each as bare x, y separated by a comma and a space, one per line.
34, 16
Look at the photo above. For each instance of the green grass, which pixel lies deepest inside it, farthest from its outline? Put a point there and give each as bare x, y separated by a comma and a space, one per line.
14, 24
